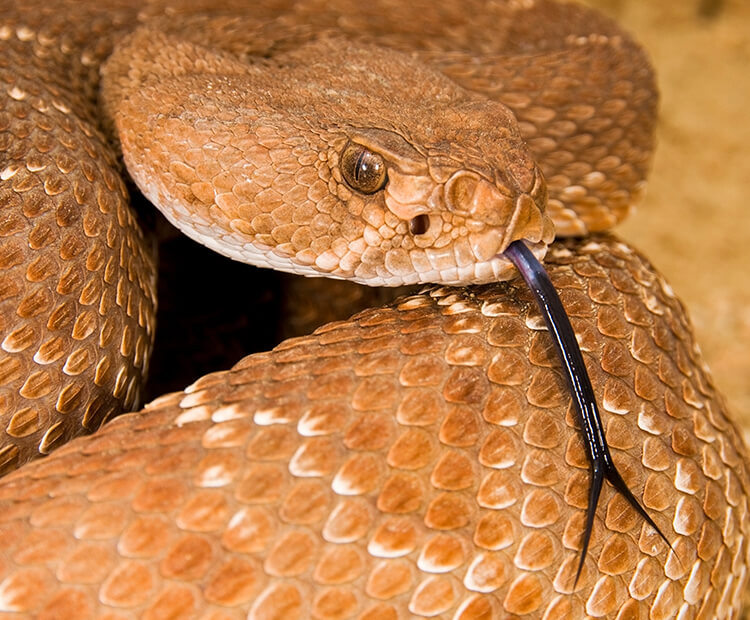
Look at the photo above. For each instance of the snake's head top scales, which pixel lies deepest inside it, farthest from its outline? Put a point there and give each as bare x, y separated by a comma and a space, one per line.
334, 159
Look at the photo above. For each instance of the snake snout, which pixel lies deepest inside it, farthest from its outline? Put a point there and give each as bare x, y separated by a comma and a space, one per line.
528, 222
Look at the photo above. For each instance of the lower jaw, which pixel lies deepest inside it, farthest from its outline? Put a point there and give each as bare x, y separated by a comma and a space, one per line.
497, 269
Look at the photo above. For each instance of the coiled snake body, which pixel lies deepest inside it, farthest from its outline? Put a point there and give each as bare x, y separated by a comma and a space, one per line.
418, 460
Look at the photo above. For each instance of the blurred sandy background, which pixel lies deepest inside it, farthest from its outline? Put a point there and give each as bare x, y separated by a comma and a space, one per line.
695, 222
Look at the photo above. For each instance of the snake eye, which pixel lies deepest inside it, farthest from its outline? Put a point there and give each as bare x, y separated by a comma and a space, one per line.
363, 169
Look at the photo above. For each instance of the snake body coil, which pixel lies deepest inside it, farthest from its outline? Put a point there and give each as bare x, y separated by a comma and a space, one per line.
419, 460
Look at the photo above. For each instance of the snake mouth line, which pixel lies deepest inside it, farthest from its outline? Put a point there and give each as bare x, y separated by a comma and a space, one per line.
496, 268
580, 388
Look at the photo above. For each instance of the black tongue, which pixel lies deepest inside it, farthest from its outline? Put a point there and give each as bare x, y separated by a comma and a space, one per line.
579, 384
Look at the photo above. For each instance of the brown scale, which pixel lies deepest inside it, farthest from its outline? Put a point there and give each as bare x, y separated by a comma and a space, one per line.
418, 460
76, 279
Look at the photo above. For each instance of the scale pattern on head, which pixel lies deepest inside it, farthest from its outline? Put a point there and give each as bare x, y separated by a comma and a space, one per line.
305, 167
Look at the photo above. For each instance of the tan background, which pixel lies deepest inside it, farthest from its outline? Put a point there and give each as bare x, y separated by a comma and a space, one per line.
695, 222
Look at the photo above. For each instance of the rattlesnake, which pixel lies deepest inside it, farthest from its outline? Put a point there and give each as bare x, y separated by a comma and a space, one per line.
420, 459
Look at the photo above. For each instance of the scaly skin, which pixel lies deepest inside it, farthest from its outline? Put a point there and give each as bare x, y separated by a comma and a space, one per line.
420, 460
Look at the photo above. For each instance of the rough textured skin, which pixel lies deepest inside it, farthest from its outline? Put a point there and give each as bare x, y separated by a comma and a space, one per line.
420, 460
76, 276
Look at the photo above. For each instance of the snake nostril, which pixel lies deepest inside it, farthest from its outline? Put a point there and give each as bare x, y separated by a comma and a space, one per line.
419, 224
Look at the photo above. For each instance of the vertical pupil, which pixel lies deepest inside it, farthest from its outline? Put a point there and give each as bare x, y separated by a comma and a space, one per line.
360, 168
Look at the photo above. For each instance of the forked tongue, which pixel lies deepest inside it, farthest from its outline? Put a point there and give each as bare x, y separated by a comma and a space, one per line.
579, 384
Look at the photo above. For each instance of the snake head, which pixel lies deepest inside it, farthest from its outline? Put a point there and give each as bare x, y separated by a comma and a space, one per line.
337, 159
